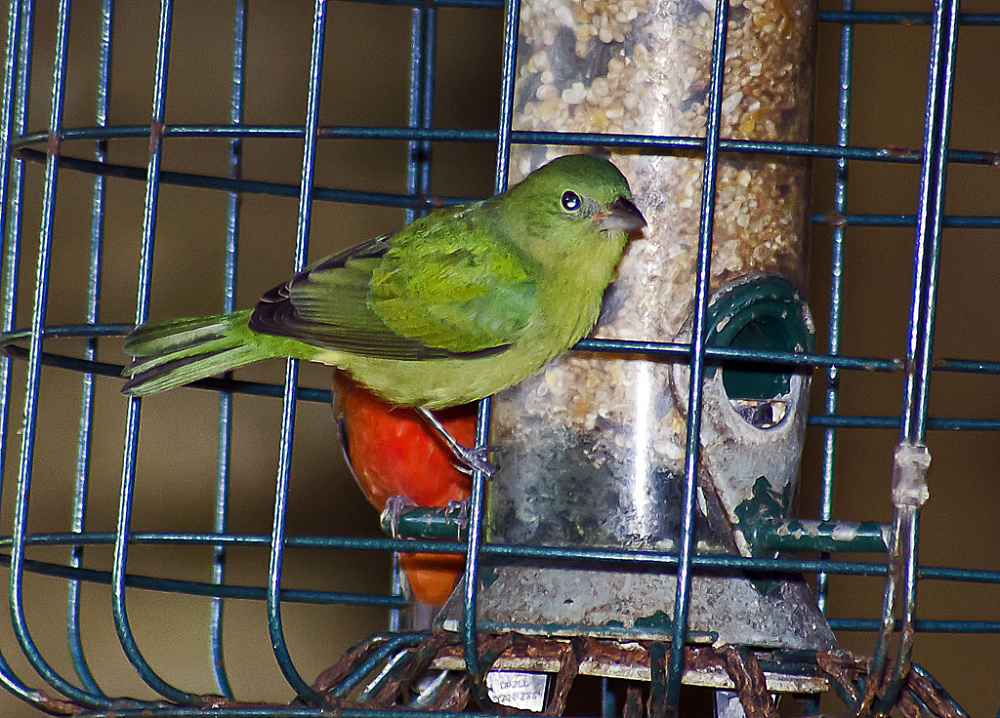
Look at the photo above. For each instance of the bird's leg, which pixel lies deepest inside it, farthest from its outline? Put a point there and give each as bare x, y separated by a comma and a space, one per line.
394, 507
471, 458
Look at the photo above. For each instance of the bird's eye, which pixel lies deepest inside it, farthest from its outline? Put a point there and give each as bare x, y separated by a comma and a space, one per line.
570, 201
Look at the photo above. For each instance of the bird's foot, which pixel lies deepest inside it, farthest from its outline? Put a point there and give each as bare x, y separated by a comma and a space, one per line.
470, 458
462, 508
475, 458
394, 507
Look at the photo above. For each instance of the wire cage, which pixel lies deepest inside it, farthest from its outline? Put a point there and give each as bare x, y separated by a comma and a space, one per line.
200, 570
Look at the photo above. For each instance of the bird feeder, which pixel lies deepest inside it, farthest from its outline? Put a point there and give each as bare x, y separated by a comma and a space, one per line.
592, 448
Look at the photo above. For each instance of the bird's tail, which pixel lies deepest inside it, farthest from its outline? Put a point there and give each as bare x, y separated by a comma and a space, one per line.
179, 351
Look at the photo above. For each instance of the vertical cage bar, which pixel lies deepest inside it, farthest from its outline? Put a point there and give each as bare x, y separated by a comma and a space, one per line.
930, 218
901, 665
118, 571
12, 62
33, 382
881, 651
477, 500
429, 67
396, 589
713, 120
927, 252
509, 74
423, 42
608, 697
84, 440
836, 285
478, 493
17, 72
224, 451
292, 368
16, 82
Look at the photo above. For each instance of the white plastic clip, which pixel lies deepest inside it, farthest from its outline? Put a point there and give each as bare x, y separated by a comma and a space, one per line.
909, 475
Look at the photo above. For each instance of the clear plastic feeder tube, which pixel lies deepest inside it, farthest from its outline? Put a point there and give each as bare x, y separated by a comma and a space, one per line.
593, 446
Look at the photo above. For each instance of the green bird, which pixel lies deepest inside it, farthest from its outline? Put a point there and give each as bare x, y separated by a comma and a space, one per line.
456, 306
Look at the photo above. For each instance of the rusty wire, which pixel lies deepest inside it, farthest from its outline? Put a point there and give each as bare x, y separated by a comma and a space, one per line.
922, 695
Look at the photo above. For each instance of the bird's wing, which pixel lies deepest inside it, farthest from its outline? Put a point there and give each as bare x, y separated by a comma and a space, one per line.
326, 305
332, 303
462, 288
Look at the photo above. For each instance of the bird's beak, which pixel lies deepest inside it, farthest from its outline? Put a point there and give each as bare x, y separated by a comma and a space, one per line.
621, 215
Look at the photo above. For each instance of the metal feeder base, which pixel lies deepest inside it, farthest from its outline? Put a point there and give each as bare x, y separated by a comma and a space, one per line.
725, 609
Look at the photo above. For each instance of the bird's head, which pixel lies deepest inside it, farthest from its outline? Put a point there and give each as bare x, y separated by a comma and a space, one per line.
574, 202
579, 190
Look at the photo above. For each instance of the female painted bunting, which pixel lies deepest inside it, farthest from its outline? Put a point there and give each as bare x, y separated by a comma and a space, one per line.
454, 307
394, 455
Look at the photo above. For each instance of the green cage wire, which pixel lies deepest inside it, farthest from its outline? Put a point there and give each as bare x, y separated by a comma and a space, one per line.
266, 563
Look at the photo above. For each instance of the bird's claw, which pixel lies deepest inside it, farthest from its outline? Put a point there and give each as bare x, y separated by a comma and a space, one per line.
470, 458
476, 458
394, 507
462, 509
